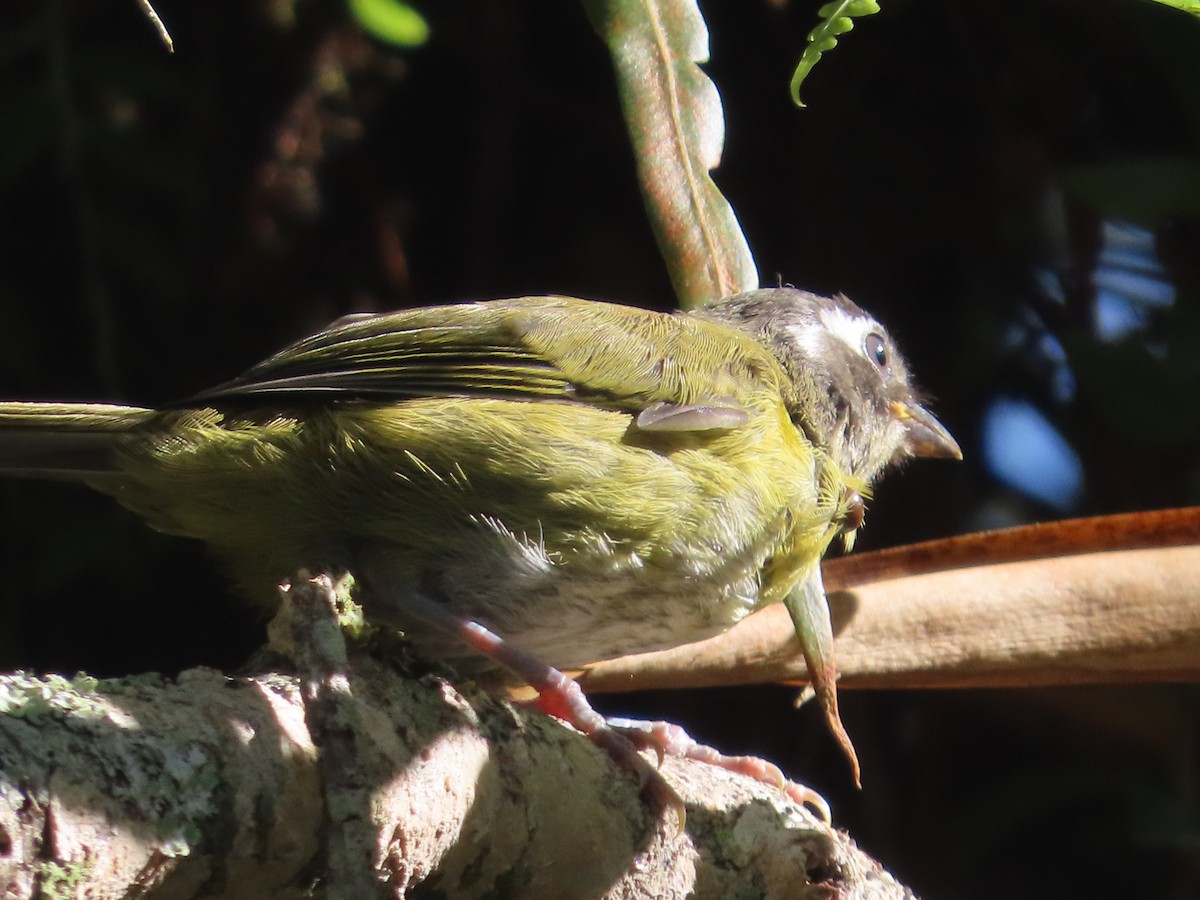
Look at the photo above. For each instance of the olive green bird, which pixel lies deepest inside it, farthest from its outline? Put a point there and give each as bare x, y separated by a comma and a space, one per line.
546, 481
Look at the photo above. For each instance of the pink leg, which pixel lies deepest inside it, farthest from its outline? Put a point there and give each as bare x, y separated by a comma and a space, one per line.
558, 696
621, 739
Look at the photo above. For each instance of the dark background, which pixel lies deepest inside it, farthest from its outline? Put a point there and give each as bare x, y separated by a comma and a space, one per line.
961, 171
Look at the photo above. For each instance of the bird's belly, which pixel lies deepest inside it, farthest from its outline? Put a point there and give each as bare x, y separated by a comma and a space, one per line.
579, 543
576, 608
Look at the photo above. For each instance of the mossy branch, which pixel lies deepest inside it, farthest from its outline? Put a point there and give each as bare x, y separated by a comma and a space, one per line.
354, 780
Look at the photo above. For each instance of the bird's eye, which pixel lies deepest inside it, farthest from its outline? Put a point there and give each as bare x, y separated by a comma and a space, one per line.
875, 349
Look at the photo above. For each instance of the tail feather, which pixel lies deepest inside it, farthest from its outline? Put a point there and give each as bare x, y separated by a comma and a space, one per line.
63, 440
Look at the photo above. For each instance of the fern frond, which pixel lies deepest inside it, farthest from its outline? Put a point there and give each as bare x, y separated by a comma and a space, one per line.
836, 19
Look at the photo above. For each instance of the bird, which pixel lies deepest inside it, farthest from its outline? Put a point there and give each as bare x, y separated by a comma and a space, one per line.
533, 484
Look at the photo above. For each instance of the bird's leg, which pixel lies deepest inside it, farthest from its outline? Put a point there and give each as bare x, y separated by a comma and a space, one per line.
558, 695
563, 698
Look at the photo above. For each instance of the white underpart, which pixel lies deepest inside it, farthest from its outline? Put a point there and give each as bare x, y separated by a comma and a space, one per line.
569, 608
526, 556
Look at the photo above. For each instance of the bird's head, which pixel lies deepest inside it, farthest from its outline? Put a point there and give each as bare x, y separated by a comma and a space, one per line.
853, 394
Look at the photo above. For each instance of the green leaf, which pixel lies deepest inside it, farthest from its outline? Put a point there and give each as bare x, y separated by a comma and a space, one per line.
836, 19
808, 607
391, 21
1190, 6
673, 113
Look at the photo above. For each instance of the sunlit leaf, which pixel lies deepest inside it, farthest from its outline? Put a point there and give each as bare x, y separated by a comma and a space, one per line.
1190, 6
675, 121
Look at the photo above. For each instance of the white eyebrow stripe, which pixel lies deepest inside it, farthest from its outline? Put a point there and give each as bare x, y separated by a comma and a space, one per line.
851, 330
808, 340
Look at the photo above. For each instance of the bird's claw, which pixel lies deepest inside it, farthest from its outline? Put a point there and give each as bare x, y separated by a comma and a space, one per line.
668, 739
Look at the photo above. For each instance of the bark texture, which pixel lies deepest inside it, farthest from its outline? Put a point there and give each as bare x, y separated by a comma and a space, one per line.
353, 779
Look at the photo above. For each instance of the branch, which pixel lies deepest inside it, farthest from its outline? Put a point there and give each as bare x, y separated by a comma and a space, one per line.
217, 786
1090, 618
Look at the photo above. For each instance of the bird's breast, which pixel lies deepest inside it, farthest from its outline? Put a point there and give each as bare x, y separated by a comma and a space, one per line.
615, 547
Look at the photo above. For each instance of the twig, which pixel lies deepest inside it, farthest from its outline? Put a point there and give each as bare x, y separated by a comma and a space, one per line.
1126, 615
1126, 531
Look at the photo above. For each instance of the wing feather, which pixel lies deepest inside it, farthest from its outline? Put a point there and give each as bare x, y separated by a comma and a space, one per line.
530, 348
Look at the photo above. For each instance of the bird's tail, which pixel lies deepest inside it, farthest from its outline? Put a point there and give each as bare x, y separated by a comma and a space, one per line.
64, 440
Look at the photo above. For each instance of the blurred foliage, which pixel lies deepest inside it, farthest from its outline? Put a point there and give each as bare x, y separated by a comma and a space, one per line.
391, 21
166, 220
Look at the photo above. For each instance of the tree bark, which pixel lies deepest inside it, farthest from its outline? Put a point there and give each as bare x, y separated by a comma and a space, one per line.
353, 780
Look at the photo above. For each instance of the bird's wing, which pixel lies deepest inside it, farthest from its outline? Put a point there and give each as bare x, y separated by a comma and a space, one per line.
674, 372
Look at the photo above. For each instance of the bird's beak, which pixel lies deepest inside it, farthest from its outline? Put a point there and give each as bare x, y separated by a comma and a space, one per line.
925, 435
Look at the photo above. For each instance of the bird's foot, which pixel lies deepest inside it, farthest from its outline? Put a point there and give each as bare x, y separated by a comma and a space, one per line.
622, 739
671, 740
561, 697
